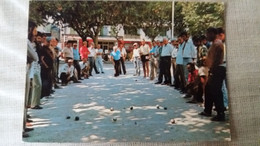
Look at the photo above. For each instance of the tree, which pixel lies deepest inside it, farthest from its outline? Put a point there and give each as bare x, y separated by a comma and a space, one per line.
201, 15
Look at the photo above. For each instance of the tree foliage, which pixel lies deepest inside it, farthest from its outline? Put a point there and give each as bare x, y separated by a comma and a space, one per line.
88, 17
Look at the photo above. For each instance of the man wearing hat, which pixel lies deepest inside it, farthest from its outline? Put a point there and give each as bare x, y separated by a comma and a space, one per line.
67, 73
136, 59
115, 57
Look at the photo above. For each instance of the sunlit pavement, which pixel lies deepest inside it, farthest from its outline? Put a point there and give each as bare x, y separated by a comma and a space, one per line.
93, 99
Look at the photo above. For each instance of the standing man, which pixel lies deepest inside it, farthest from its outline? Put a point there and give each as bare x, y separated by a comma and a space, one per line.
144, 52
153, 62
99, 60
76, 59
91, 58
136, 59
189, 53
115, 57
84, 52
67, 52
174, 55
122, 58
165, 63
180, 82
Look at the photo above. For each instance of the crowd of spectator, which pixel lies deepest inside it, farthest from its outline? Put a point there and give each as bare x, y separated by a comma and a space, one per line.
196, 66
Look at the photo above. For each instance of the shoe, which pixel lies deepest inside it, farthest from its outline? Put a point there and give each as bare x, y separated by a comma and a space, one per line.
102, 72
57, 87
37, 107
52, 91
77, 82
218, 118
28, 116
97, 73
63, 84
90, 75
25, 135
28, 129
135, 74
29, 121
187, 96
158, 83
205, 114
81, 79
192, 101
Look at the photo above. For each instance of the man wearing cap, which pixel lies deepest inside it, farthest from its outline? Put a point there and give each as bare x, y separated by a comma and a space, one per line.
174, 43
136, 59
115, 57
67, 73
91, 58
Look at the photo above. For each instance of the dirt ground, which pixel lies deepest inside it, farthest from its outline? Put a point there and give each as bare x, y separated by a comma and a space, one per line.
103, 104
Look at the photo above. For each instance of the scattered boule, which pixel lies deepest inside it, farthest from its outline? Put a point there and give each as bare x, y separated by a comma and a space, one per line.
68, 117
131, 108
76, 118
173, 121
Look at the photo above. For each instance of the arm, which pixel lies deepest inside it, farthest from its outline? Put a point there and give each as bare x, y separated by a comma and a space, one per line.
43, 62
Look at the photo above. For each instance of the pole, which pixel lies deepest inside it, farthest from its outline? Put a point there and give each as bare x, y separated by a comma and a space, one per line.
172, 19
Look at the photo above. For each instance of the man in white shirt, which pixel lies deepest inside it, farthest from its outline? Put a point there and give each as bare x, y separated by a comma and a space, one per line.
122, 58
175, 44
91, 58
67, 52
67, 73
144, 51
99, 59
165, 63
136, 59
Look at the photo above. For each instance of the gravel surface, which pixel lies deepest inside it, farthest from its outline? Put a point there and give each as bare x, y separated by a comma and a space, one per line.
103, 104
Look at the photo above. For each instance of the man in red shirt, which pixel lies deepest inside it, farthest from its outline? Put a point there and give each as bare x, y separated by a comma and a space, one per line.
84, 51
192, 84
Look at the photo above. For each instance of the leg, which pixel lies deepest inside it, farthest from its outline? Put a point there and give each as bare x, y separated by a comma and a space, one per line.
36, 92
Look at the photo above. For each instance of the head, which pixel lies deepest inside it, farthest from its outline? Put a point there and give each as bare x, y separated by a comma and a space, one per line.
190, 67
165, 41
135, 45
143, 42
180, 39
68, 44
184, 36
221, 34
211, 34
175, 43
121, 45
74, 45
39, 38
85, 43
98, 46
157, 43
203, 39
154, 43
70, 62
53, 42
32, 31
196, 41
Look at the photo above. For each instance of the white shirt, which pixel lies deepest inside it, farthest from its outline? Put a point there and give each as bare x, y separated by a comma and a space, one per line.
179, 58
35, 67
136, 52
123, 52
92, 52
66, 69
67, 52
167, 50
203, 71
99, 51
174, 52
144, 49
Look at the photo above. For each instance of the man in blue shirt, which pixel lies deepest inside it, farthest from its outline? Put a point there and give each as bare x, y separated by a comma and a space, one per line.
76, 59
115, 57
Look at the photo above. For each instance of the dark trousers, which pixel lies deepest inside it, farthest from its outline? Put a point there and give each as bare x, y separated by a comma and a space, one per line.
64, 78
199, 94
91, 61
46, 76
213, 91
117, 67
122, 63
77, 66
179, 77
165, 69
